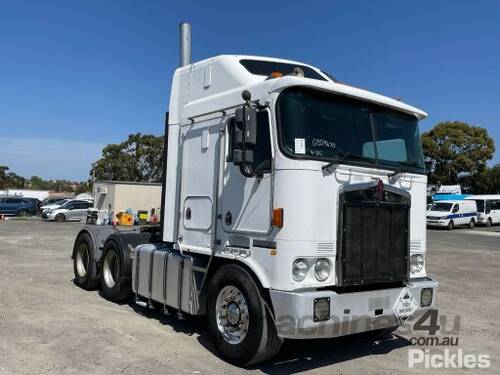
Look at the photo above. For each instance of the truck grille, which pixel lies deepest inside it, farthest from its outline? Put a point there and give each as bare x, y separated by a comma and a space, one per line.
374, 237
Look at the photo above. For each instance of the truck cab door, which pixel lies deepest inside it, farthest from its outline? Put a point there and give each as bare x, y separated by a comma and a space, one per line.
245, 210
198, 189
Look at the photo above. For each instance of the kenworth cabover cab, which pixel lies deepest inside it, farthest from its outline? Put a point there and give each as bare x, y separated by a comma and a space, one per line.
293, 207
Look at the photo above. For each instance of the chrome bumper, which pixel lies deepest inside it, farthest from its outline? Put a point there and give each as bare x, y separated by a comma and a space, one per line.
349, 312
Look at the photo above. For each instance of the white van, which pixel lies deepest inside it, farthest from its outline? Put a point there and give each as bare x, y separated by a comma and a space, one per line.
488, 208
452, 213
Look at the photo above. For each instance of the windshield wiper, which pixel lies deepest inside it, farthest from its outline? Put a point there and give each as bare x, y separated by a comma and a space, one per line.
401, 169
342, 156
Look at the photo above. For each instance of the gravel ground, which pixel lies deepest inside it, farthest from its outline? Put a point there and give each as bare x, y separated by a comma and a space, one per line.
50, 326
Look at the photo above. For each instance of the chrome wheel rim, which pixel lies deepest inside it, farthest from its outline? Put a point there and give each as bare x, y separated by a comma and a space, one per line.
231, 311
110, 269
82, 260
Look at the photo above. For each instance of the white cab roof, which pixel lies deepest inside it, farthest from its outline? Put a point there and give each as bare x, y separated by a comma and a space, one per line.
223, 74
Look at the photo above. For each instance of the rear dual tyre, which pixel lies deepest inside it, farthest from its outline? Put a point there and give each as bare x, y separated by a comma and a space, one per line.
115, 286
84, 266
239, 321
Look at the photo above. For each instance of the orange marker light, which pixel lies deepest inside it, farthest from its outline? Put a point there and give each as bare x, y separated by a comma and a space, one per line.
278, 218
276, 74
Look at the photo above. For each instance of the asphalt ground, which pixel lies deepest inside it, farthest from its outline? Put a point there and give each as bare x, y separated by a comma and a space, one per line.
50, 326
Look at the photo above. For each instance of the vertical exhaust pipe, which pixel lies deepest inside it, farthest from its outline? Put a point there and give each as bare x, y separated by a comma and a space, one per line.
185, 44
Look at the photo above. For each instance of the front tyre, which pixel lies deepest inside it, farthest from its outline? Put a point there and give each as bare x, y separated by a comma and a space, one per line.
114, 286
84, 266
489, 222
238, 320
451, 225
60, 218
23, 213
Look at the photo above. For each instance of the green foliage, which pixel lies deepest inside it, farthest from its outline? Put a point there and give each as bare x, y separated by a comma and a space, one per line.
455, 151
14, 181
486, 182
10, 179
139, 158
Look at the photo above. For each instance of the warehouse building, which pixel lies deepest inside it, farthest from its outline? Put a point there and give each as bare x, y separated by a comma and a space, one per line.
123, 195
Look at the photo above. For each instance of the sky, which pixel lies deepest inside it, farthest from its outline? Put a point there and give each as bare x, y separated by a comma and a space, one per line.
77, 75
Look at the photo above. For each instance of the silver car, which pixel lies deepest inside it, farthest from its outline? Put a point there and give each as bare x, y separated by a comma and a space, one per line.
71, 210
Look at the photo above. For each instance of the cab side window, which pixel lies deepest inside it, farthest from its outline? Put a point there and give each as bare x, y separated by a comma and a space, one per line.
456, 208
262, 150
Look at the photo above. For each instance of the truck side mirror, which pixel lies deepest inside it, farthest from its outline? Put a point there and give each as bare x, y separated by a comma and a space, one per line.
246, 126
243, 138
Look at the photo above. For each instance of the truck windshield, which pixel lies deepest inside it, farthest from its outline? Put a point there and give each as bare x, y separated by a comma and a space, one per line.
321, 126
441, 207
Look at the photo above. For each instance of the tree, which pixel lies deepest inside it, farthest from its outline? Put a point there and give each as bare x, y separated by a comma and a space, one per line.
38, 183
456, 151
139, 158
487, 181
10, 179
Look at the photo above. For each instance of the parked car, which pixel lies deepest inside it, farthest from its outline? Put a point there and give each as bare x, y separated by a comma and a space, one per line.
55, 204
52, 200
71, 210
36, 202
451, 213
488, 208
17, 206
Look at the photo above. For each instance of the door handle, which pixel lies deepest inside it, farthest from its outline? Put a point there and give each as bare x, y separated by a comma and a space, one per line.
228, 219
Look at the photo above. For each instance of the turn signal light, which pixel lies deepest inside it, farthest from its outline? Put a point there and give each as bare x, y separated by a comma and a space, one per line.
276, 74
278, 218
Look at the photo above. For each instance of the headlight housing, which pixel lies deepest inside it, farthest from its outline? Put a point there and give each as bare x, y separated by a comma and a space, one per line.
322, 269
300, 269
416, 263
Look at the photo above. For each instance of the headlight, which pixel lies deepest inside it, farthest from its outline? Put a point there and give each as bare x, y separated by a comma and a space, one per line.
299, 269
426, 297
322, 269
416, 263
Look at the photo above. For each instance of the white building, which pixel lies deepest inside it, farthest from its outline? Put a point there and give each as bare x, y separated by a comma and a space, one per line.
123, 195
26, 193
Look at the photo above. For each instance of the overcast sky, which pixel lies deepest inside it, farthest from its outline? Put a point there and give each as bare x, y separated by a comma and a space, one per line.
76, 75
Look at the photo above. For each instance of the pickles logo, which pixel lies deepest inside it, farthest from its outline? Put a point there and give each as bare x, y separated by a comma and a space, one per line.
433, 351
447, 359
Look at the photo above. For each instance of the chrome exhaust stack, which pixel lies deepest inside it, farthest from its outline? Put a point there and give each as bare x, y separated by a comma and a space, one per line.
185, 44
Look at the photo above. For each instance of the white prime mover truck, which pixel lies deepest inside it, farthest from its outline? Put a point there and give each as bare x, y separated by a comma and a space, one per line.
293, 207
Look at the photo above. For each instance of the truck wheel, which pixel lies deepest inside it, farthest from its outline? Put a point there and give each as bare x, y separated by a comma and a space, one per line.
239, 322
60, 218
472, 223
489, 222
84, 265
451, 225
113, 285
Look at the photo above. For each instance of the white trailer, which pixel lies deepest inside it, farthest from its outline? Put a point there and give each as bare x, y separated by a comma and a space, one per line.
293, 207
